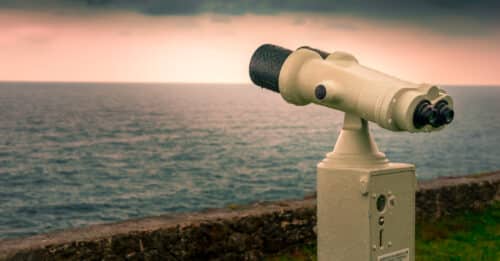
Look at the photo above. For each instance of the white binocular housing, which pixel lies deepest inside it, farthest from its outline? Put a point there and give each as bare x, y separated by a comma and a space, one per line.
338, 81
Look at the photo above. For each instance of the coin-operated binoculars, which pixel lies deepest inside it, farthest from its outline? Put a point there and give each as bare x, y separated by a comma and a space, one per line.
366, 204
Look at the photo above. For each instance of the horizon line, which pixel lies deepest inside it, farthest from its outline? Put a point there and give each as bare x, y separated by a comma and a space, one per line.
202, 83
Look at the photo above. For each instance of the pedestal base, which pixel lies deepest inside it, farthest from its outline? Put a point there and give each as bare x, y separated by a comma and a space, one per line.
366, 213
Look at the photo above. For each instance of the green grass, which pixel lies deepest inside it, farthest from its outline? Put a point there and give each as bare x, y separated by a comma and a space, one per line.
471, 236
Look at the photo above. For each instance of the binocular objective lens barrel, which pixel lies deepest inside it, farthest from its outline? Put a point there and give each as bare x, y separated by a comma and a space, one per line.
266, 63
265, 66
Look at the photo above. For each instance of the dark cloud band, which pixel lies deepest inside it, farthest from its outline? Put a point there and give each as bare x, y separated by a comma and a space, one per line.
423, 12
460, 7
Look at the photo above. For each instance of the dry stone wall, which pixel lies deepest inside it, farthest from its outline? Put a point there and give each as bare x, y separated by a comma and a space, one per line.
235, 233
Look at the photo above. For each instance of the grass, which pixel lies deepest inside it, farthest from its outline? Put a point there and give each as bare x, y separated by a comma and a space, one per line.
471, 236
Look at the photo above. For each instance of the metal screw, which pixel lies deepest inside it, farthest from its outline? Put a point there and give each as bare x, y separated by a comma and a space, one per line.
381, 221
320, 92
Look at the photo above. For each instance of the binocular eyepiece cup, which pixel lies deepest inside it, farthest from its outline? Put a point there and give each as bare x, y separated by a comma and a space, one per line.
265, 66
445, 114
437, 115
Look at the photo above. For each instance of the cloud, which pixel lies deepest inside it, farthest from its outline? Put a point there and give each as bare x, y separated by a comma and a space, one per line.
223, 19
451, 16
380, 8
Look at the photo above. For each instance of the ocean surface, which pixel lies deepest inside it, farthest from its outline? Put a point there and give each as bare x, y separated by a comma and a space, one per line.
79, 154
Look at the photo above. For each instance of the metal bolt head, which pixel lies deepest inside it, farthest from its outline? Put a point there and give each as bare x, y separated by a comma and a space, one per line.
320, 92
392, 201
381, 221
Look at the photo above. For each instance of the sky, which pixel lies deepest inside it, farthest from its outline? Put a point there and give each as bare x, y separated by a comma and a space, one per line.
435, 41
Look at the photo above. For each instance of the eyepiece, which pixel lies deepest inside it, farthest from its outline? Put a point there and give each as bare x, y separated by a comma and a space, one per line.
445, 113
265, 66
424, 114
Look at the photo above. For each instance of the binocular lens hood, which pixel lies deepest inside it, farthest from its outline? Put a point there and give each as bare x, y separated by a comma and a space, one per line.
265, 65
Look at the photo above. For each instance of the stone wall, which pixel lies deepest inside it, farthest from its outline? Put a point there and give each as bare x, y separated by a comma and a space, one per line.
449, 196
236, 233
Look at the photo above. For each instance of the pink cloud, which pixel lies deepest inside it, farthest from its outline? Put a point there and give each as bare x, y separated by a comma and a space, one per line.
125, 46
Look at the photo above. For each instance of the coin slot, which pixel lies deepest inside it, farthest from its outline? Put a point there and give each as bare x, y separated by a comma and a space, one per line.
380, 241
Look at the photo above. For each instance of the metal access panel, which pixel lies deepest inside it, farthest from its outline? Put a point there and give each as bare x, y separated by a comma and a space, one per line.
392, 216
366, 214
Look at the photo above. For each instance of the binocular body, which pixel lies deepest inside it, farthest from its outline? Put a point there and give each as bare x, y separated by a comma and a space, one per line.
338, 81
366, 204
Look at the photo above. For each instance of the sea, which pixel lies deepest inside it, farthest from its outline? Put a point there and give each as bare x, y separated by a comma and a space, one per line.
74, 154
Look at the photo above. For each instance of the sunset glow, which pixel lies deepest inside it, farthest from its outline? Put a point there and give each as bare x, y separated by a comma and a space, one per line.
124, 46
